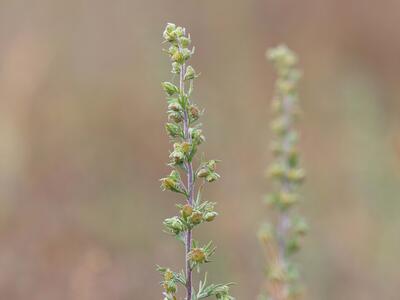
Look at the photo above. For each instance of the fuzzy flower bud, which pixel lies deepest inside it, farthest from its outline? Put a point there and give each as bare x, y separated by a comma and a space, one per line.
175, 117
276, 171
300, 227
174, 106
176, 68
197, 255
282, 57
190, 73
197, 136
170, 286
168, 275
173, 130
178, 57
174, 224
212, 177
202, 173
169, 33
177, 155
196, 218
296, 175
172, 183
279, 126
210, 216
287, 199
194, 113
170, 88
186, 211
185, 41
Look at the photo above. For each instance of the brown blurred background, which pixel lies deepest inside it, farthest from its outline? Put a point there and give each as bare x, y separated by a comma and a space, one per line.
82, 143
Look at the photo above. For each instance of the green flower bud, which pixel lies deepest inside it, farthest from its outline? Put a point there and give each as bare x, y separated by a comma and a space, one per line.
287, 199
279, 126
185, 41
293, 158
285, 86
170, 88
177, 155
197, 255
185, 147
168, 183
190, 73
296, 175
276, 171
178, 57
186, 53
168, 275
196, 218
170, 286
212, 177
222, 293
170, 27
197, 136
173, 130
194, 113
169, 33
300, 227
175, 107
175, 225
180, 32
175, 117
282, 56
202, 173
292, 246
212, 165
210, 216
172, 50
176, 68
172, 183
186, 211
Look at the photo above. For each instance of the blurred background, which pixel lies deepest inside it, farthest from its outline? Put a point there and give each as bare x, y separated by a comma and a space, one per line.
82, 143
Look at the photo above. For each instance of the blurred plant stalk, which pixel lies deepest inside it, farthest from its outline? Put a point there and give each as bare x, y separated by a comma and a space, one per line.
281, 238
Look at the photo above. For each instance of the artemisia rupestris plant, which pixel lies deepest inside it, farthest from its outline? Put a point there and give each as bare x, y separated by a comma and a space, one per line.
185, 132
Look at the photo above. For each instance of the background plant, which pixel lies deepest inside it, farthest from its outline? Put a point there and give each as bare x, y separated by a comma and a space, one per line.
281, 238
185, 131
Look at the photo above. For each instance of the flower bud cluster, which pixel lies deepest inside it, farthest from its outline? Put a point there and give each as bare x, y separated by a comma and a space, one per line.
186, 135
207, 170
282, 238
170, 282
173, 182
189, 217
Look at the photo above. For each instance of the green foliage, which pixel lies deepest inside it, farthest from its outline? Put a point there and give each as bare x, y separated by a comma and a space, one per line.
283, 238
187, 136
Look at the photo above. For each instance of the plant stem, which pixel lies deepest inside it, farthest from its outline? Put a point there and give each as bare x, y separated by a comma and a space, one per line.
284, 218
190, 187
